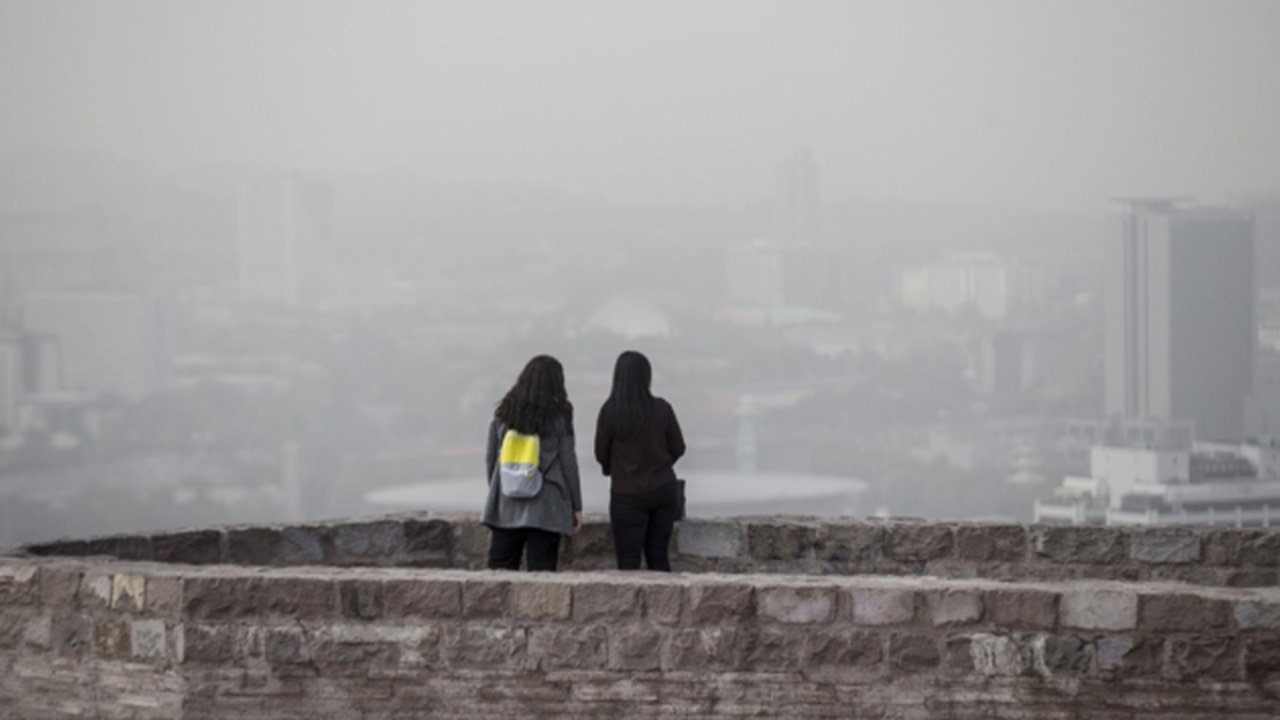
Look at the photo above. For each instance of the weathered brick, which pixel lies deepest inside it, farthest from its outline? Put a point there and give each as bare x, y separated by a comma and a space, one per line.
1165, 545
913, 653
768, 649
542, 601
918, 542
363, 599
111, 638
128, 593
366, 543
1214, 658
662, 603
1257, 615
882, 606
485, 599
707, 603
148, 639
796, 605
197, 547
605, 601
1022, 609
254, 546
204, 643
991, 543
1170, 613
709, 538
164, 596
699, 649
954, 607
1099, 609
1079, 544
557, 647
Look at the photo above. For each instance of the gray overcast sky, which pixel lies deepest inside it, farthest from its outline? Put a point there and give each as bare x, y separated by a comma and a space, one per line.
1047, 104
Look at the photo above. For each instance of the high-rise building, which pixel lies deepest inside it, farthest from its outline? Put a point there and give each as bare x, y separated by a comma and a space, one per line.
796, 199
114, 344
1180, 331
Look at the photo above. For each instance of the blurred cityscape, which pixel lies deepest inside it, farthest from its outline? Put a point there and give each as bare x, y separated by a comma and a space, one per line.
236, 345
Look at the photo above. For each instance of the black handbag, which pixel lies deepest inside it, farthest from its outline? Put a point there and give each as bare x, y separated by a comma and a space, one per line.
679, 499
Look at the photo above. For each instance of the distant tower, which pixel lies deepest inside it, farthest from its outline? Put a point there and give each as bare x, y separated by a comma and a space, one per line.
796, 200
1180, 316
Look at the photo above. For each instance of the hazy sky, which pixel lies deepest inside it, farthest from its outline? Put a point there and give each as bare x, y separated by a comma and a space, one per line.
1047, 104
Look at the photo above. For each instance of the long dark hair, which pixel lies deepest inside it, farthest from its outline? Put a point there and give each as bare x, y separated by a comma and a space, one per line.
538, 399
630, 402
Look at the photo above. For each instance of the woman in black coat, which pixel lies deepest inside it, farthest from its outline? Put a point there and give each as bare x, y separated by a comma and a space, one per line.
638, 441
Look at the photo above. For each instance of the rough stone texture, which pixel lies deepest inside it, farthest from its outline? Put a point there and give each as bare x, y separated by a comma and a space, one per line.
1095, 609
917, 542
198, 547
1048, 639
709, 539
1165, 545
365, 542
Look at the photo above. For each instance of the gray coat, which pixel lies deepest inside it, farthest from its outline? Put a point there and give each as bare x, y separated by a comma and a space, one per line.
561, 495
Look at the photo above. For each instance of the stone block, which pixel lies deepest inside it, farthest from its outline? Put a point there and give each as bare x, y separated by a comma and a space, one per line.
610, 602
470, 545
591, 548
284, 645
842, 649
1081, 545
257, 546
164, 596
72, 635
1260, 547
918, 542
95, 590
662, 603
769, 649
635, 647
111, 638
303, 545
541, 601
128, 593
699, 650
197, 547
422, 598
1221, 547
298, 598
953, 607
779, 540
218, 598
1099, 609
913, 653
491, 647
429, 542
485, 599
855, 544
957, 655
707, 604
1164, 545
1252, 578
882, 606
1062, 655
996, 655
362, 599
557, 647
1262, 661
148, 639
1209, 658
1190, 613
58, 586
1127, 656
1257, 615
371, 543
38, 633
123, 547
1022, 609
796, 605
211, 644
991, 543
19, 585
710, 538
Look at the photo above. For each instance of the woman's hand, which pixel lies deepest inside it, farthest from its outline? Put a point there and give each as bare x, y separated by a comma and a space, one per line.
577, 521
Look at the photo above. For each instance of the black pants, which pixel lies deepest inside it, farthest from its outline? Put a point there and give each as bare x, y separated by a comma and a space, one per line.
507, 545
642, 522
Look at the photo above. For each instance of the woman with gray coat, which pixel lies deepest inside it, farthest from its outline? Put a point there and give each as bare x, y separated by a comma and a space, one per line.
537, 405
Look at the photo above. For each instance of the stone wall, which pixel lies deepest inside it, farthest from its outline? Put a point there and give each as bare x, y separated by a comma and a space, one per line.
101, 637
1203, 556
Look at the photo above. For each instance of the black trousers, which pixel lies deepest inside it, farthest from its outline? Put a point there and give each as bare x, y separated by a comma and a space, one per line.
508, 545
642, 523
